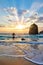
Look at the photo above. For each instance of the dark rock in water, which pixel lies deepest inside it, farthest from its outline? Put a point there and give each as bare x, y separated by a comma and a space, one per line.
13, 34
41, 32
33, 29
22, 39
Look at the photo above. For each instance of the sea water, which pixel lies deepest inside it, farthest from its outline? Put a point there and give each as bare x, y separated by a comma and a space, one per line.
27, 38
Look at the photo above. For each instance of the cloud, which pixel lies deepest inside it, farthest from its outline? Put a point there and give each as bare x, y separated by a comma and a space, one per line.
30, 15
11, 10
35, 7
41, 18
13, 13
35, 18
33, 11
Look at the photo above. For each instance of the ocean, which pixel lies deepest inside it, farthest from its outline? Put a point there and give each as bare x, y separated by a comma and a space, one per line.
18, 38
29, 47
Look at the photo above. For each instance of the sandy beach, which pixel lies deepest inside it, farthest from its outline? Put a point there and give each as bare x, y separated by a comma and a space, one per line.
9, 60
5, 60
16, 54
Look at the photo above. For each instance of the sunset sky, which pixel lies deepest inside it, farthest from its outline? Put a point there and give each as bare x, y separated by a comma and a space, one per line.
20, 14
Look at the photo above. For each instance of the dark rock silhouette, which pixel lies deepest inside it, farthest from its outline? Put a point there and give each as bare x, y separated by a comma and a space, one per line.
33, 29
13, 34
22, 39
41, 32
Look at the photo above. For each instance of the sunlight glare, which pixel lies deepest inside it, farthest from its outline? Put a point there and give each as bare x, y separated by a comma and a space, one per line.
20, 27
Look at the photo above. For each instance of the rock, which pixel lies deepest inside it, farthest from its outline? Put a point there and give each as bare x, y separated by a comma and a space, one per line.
13, 34
33, 29
22, 39
41, 32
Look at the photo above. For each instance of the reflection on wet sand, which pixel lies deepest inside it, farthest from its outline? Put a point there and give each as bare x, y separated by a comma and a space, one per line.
35, 46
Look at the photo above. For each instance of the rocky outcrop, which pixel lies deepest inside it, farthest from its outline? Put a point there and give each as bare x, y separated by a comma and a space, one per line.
41, 32
33, 29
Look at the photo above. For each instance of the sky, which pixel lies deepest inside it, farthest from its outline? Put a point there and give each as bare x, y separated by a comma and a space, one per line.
19, 4
25, 11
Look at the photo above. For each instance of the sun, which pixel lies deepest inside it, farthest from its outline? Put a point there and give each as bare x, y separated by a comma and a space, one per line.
19, 26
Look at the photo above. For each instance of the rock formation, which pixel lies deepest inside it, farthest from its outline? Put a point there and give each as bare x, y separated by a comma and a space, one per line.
33, 29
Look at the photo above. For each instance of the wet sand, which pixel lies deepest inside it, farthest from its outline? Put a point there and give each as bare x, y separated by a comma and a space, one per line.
16, 50
4, 60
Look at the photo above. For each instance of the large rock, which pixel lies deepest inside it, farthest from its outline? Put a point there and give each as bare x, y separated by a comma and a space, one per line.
33, 29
